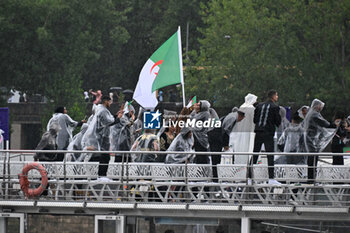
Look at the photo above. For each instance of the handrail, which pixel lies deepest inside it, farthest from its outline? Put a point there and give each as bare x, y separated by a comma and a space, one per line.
177, 152
335, 189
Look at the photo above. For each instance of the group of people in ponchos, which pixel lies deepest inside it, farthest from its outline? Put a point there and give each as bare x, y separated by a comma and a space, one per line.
250, 128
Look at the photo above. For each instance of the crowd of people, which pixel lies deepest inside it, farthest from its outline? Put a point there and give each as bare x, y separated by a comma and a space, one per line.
253, 127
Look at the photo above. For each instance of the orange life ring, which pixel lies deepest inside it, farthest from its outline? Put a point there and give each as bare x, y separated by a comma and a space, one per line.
24, 182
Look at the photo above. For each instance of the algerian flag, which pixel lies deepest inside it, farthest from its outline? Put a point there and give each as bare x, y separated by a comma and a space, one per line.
192, 102
126, 106
162, 69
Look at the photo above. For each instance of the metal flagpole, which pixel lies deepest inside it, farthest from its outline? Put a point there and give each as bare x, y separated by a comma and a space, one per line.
181, 67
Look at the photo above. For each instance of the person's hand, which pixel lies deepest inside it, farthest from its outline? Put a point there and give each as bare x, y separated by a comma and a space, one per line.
337, 122
132, 115
83, 121
90, 148
120, 113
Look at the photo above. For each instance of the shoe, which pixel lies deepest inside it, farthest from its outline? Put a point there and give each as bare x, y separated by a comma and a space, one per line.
218, 194
226, 194
274, 182
104, 179
249, 181
292, 202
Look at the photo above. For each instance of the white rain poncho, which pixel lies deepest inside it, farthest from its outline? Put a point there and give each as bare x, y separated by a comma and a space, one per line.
145, 142
181, 143
317, 133
138, 123
284, 122
229, 122
213, 115
48, 142
292, 139
201, 133
242, 137
300, 111
67, 125
120, 137
96, 108
76, 144
97, 134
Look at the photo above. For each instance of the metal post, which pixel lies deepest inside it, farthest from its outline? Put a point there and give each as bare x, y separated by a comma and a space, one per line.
245, 225
3, 224
65, 176
4, 176
8, 169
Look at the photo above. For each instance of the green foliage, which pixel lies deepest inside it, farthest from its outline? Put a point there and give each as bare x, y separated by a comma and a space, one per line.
53, 47
299, 48
150, 24
59, 48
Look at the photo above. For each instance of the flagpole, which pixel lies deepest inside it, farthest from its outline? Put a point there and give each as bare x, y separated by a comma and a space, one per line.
181, 67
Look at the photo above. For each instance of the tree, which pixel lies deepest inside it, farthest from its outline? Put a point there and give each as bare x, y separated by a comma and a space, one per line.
296, 47
150, 24
48, 47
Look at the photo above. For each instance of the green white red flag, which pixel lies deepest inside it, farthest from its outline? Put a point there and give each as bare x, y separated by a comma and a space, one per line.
162, 69
192, 102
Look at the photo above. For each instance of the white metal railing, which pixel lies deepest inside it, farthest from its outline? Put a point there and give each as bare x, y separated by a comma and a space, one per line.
179, 183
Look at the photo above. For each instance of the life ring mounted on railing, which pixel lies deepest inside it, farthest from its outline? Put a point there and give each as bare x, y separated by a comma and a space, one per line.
24, 182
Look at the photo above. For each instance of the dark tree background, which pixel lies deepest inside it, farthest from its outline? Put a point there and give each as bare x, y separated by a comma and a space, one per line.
58, 48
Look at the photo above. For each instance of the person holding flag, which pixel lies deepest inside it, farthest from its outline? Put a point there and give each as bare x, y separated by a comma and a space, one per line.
121, 135
192, 102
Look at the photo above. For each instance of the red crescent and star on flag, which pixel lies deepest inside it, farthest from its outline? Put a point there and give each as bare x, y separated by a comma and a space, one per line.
156, 64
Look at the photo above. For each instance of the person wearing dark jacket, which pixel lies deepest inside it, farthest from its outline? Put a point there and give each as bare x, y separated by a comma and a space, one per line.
338, 139
267, 119
219, 137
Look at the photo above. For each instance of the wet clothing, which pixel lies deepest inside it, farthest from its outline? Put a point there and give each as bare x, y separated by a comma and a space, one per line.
181, 143
120, 136
284, 122
316, 135
75, 144
200, 134
138, 123
242, 137
64, 136
291, 140
97, 134
97, 137
48, 142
